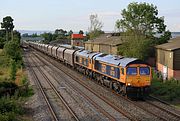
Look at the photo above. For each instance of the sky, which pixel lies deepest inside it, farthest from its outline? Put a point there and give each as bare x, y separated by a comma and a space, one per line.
74, 14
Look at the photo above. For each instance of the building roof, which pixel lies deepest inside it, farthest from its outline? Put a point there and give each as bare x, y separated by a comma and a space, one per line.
173, 44
107, 39
77, 36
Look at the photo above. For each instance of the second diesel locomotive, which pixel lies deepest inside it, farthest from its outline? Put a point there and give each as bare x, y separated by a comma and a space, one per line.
128, 76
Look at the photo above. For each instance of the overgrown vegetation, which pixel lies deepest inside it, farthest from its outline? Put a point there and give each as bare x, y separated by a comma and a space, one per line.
167, 90
10, 109
13, 88
13, 81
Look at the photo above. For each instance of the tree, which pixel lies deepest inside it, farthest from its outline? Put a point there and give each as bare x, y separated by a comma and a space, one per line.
141, 19
163, 38
17, 36
61, 34
25, 35
141, 22
81, 32
2, 38
69, 34
48, 37
12, 50
95, 26
95, 23
136, 46
34, 35
7, 24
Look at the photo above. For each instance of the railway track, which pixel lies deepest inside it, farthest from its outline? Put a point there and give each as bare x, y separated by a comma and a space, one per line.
154, 109
163, 114
166, 108
37, 82
99, 108
126, 114
52, 110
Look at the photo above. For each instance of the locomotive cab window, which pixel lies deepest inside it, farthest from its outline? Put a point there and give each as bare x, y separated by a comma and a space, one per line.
122, 71
131, 71
144, 70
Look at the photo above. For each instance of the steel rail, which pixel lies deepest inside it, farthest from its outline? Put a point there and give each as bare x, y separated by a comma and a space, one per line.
127, 115
42, 91
58, 94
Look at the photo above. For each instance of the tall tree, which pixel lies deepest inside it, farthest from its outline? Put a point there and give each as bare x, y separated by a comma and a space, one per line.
95, 26
2, 38
61, 34
141, 18
7, 24
70, 32
95, 23
141, 22
81, 32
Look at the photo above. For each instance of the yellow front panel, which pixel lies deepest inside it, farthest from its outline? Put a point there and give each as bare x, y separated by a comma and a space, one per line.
138, 80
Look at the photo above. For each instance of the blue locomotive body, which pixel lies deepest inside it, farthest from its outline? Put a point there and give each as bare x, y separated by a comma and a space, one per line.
109, 70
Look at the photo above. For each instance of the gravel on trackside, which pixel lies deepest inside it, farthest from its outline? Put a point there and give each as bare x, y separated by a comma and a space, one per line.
35, 107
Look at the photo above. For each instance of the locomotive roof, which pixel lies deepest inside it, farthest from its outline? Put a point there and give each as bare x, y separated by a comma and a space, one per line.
115, 60
86, 53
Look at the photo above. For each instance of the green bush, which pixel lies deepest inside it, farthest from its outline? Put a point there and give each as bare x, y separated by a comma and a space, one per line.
9, 108
168, 90
7, 88
12, 50
24, 92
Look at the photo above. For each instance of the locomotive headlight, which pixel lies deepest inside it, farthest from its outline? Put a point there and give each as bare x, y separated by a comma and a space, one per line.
129, 84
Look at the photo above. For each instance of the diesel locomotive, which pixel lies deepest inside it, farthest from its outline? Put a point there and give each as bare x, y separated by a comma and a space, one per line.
129, 76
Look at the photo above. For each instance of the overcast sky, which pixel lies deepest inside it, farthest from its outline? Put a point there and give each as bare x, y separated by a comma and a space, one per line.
74, 14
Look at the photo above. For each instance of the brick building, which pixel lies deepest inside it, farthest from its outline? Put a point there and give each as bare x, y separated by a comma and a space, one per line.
77, 40
168, 59
106, 43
